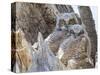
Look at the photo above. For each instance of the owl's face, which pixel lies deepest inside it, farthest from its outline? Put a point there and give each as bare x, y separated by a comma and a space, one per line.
64, 19
76, 30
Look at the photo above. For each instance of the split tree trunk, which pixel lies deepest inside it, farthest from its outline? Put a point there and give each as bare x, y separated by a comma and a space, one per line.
87, 19
64, 8
33, 18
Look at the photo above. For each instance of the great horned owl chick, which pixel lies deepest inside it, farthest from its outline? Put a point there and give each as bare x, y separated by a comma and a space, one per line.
76, 46
55, 39
68, 19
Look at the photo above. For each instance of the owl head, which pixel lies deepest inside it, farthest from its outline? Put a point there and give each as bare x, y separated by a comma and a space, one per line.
76, 30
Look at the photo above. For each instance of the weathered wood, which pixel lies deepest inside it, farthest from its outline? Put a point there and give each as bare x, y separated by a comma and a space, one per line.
29, 20
46, 58
88, 21
64, 8
21, 53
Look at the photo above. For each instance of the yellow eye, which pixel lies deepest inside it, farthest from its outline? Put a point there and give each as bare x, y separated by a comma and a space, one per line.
71, 31
72, 21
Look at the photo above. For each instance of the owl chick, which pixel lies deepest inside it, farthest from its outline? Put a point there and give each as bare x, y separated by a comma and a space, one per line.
76, 46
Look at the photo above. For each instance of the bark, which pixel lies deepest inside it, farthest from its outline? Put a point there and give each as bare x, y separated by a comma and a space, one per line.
29, 20
48, 15
87, 19
42, 18
64, 8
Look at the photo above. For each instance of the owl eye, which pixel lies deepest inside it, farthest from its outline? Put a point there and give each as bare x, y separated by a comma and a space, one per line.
59, 29
82, 32
71, 31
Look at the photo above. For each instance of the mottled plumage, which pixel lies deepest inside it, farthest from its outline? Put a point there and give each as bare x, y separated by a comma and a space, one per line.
55, 39
76, 47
